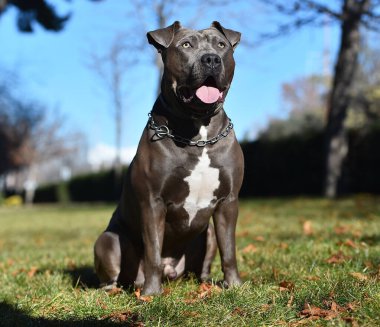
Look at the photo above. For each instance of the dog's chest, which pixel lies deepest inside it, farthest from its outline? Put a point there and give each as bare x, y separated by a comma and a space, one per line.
202, 182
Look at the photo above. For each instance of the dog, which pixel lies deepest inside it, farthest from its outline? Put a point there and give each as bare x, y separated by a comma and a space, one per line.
187, 169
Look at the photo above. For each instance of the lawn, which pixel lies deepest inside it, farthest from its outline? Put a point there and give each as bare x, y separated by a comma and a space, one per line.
304, 262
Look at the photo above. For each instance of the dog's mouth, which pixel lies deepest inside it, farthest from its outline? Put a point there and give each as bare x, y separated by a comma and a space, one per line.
208, 92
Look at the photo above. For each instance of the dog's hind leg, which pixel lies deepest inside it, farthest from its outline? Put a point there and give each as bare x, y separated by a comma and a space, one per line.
107, 252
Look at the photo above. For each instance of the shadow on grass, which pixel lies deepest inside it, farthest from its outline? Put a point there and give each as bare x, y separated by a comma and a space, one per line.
371, 240
11, 317
83, 277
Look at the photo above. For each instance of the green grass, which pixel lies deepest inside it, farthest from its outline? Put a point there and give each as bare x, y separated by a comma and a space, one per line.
47, 279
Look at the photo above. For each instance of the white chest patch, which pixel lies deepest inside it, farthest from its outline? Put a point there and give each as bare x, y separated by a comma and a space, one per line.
203, 182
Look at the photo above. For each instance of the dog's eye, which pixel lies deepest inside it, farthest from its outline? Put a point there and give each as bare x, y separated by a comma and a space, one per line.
221, 45
186, 45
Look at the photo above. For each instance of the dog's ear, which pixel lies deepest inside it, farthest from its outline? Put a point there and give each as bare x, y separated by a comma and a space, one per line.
232, 36
162, 37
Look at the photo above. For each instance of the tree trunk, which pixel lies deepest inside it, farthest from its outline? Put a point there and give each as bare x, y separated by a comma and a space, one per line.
336, 146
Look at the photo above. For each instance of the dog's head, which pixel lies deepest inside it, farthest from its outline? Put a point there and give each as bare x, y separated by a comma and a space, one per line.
198, 65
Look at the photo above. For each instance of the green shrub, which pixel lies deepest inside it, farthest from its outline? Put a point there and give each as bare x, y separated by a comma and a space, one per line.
102, 186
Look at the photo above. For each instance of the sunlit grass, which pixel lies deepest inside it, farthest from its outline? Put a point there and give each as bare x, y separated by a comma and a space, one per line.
284, 246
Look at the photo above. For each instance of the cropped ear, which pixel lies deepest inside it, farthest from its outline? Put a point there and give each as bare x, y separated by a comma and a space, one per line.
232, 36
162, 37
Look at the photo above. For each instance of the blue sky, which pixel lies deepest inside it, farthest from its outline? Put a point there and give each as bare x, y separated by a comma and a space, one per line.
53, 70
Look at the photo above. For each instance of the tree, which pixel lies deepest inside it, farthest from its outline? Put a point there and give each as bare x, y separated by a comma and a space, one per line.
29, 138
17, 120
352, 15
113, 66
305, 99
39, 11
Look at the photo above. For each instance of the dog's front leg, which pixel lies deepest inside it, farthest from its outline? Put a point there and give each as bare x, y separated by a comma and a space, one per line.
153, 227
225, 218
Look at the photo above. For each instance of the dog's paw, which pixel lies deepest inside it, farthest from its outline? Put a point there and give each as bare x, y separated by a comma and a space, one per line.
108, 286
152, 289
233, 282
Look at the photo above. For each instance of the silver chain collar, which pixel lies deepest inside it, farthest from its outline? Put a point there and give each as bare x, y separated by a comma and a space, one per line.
162, 131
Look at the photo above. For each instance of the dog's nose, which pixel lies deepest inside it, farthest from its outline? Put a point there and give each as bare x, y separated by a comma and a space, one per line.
211, 60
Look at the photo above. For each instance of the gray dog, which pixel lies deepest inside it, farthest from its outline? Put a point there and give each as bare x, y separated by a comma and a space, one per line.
188, 168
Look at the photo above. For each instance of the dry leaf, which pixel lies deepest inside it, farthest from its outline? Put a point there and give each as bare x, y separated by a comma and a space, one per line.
32, 272
307, 228
242, 234
284, 245
166, 291
250, 248
126, 316
114, 291
205, 290
359, 276
341, 229
368, 264
351, 321
71, 265
243, 274
239, 312
352, 306
349, 243
312, 278
143, 297
286, 286
337, 258
10, 262
259, 238
191, 314
313, 311
265, 307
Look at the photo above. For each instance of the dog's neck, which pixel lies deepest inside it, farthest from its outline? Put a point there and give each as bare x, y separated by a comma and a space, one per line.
188, 126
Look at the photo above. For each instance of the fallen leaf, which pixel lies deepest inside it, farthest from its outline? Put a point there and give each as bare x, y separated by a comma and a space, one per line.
284, 245
351, 321
341, 229
265, 307
242, 234
337, 258
71, 265
166, 291
307, 228
250, 248
10, 262
191, 314
337, 308
359, 276
243, 274
32, 272
206, 289
101, 304
352, 306
259, 238
114, 291
286, 286
312, 278
349, 243
143, 298
356, 233
368, 264
313, 311
127, 316
239, 312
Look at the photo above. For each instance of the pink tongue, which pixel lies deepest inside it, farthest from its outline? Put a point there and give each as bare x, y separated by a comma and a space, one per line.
208, 94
